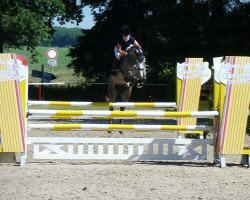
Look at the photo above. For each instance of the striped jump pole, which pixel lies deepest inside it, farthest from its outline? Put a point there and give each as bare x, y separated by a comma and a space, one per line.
45, 117
89, 117
110, 127
130, 114
105, 104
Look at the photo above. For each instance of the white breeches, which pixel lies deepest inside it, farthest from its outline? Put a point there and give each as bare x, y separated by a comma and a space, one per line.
117, 54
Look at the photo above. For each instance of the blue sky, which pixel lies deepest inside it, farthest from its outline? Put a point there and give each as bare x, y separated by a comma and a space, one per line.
87, 22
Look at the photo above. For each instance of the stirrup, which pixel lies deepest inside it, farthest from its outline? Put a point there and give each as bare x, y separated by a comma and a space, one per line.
139, 85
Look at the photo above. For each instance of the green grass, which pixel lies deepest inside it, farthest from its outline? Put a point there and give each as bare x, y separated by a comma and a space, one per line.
62, 73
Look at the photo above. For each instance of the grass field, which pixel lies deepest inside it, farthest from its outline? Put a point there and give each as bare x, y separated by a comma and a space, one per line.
62, 73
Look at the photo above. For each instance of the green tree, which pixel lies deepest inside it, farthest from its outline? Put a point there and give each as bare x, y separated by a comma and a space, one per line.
27, 23
162, 27
93, 56
64, 37
228, 30
168, 31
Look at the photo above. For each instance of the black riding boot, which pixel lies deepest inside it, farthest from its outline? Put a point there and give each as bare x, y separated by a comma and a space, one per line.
115, 67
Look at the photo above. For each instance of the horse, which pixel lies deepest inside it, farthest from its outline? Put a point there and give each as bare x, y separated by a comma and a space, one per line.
132, 72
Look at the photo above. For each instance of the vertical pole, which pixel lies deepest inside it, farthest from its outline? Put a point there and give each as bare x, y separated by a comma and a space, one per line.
41, 86
42, 73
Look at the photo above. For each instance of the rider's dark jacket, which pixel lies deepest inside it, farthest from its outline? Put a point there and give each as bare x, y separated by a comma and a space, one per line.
124, 44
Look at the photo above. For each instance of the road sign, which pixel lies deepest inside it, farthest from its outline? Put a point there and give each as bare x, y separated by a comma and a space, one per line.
52, 63
52, 53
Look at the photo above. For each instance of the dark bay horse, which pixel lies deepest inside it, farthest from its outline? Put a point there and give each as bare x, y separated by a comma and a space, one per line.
133, 71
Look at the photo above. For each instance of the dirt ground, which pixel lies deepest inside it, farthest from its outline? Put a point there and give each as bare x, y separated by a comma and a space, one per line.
123, 179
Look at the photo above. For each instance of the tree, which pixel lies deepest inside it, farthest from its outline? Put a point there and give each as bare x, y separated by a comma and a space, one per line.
93, 56
168, 31
63, 37
228, 29
160, 26
28, 23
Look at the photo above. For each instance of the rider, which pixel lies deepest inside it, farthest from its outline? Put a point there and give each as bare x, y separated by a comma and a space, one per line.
123, 43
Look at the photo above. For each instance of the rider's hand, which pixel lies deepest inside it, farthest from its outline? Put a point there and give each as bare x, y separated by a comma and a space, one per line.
125, 53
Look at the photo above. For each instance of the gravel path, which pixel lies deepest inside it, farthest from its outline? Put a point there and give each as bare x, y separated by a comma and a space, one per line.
123, 180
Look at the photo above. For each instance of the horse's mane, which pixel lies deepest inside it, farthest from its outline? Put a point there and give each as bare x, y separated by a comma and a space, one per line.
134, 47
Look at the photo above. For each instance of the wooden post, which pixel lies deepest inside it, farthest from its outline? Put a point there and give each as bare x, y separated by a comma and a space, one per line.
40, 87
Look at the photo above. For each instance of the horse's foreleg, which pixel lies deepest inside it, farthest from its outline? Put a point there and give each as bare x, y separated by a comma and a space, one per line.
125, 98
111, 108
121, 120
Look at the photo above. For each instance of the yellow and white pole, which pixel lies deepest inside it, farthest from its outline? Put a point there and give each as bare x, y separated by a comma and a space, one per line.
130, 114
105, 104
110, 127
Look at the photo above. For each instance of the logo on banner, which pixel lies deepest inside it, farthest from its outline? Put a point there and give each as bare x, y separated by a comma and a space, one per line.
234, 73
13, 70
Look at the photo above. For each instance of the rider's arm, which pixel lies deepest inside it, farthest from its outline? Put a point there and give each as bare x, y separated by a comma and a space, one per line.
137, 44
119, 48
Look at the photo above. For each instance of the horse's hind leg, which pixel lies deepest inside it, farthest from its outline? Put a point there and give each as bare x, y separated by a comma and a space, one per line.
125, 98
111, 108
121, 120
111, 95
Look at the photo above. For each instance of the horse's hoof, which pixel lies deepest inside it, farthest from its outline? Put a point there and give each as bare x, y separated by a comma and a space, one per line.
120, 132
109, 131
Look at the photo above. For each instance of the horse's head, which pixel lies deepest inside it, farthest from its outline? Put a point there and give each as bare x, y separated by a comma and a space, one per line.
137, 65
134, 52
